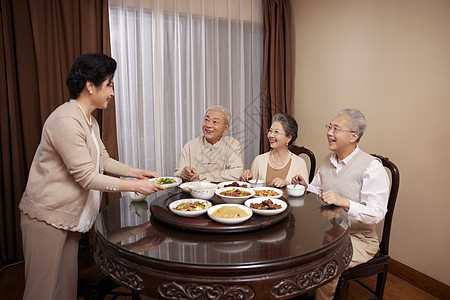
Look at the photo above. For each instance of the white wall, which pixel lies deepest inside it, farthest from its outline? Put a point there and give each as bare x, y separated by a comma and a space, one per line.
391, 59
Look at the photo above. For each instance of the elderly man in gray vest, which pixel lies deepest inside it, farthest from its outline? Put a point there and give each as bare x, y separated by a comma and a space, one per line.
354, 180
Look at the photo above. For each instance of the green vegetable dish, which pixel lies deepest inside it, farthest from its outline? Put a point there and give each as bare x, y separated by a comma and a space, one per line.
165, 180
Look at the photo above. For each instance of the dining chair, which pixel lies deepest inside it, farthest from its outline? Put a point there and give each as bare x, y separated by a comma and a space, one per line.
297, 150
378, 265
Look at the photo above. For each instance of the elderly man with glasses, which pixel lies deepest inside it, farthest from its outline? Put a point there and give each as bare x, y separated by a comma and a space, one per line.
354, 180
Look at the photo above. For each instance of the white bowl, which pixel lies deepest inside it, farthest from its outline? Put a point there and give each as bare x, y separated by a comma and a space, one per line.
189, 214
204, 190
277, 193
136, 196
186, 187
211, 211
257, 183
266, 212
234, 199
295, 190
241, 184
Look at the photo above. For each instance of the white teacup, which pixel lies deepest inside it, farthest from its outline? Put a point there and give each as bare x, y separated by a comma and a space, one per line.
257, 182
295, 190
137, 196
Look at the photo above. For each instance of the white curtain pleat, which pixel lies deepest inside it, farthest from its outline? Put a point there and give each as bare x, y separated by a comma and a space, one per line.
177, 58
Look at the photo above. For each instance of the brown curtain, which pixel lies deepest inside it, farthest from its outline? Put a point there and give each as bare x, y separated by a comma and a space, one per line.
40, 40
277, 78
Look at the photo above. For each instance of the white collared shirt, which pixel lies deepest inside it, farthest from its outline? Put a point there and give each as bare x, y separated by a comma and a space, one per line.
372, 205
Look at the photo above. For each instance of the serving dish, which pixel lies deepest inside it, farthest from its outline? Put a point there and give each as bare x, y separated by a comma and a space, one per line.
234, 199
240, 183
277, 193
199, 210
266, 212
175, 181
230, 220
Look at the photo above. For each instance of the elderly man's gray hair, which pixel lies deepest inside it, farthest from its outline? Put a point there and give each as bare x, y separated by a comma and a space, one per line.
358, 121
221, 108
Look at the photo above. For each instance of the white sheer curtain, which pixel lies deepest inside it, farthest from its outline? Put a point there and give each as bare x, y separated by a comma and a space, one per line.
175, 59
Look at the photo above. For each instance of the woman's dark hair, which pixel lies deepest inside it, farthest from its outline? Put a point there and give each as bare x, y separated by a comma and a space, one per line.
289, 124
95, 67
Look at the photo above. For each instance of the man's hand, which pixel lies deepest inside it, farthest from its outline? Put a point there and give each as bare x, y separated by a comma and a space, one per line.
331, 197
298, 179
187, 173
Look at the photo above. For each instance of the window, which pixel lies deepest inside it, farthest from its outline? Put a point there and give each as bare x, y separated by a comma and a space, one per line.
176, 59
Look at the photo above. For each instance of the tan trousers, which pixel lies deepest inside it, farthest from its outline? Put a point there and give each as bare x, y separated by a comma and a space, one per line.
364, 248
51, 260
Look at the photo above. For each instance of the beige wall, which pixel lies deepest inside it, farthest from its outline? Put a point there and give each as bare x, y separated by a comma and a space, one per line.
391, 59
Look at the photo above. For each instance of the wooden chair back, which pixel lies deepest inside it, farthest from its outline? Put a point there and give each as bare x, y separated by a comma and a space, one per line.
297, 150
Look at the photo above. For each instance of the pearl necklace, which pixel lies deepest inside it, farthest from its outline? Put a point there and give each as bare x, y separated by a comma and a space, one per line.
275, 162
89, 122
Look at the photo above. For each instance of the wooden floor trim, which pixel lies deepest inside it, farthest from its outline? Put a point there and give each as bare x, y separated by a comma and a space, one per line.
424, 282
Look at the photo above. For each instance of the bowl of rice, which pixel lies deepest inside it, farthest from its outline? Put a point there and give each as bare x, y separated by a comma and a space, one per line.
230, 213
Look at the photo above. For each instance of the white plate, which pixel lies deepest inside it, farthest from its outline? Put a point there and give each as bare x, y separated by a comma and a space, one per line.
177, 182
266, 188
231, 199
266, 212
242, 183
185, 187
211, 210
189, 214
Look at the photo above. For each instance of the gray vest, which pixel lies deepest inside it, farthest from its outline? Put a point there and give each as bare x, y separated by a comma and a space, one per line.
348, 182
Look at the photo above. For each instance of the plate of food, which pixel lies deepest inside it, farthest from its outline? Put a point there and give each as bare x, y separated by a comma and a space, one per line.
235, 184
230, 213
186, 186
189, 207
266, 206
234, 194
168, 182
267, 192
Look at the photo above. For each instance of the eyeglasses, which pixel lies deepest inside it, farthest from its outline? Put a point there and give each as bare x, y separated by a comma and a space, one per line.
275, 132
334, 129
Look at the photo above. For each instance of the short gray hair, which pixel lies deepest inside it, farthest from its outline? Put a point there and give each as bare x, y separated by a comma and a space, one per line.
358, 121
222, 109
289, 124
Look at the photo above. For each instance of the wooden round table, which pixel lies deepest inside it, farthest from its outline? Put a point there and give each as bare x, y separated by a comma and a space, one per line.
157, 258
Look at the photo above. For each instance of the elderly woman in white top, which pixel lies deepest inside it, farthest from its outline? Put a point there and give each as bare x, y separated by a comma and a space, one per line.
279, 166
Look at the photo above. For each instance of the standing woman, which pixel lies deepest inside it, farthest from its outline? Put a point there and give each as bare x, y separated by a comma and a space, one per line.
278, 166
62, 196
